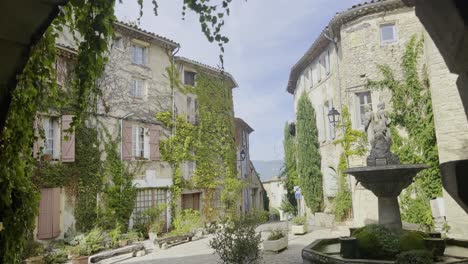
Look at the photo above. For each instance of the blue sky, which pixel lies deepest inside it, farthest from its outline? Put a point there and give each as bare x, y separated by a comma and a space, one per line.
267, 37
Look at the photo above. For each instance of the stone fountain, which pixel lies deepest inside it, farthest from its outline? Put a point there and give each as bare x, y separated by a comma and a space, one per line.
386, 178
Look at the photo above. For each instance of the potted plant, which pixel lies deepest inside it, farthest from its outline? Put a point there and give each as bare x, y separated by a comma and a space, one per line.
276, 241
299, 225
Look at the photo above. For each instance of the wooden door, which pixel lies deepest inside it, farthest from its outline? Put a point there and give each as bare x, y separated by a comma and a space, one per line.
48, 223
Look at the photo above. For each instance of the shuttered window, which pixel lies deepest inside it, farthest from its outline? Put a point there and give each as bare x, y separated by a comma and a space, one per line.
191, 201
48, 226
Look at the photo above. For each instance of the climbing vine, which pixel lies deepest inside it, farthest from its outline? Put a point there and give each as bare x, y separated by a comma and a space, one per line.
308, 155
289, 169
353, 143
91, 23
411, 101
210, 144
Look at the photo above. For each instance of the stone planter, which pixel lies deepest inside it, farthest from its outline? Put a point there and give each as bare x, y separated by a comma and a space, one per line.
348, 247
435, 245
80, 260
299, 229
35, 260
275, 245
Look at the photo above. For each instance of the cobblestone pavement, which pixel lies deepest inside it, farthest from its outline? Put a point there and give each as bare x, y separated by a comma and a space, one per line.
199, 252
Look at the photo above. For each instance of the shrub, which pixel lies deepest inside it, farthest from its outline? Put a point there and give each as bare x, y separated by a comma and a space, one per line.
90, 243
115, 235
237, 242
378, 242
274, 214
414, 257
275, 235
287, 207
412, 240
299, 220
187, 221
32, 248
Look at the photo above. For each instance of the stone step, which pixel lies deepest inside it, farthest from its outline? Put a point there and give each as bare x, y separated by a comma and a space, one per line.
116, 259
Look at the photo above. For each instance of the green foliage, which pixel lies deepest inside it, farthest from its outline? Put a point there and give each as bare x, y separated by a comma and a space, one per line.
353, 144
275, 235
266, 201
119, 193
289, 170
210, 144
287, 207
90, 243
186, 222
411, 101
412, 240
115, 235
299, 220
414, 257
274, 214
308, 155
377, 242
237, 241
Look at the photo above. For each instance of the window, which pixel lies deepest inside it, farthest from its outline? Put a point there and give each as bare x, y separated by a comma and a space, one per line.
189, 78
140, 142
315, 77
138, 54
363, 100
51, 133
118, 43
319, 70
138, 89
388, 33
191, 201
146, 199
327, 62
311, 74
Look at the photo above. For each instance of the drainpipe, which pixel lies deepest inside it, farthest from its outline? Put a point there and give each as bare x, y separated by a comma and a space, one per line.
173, 89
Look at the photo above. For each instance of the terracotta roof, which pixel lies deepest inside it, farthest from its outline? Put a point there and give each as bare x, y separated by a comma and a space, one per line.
158, 38
241, 122
334, 26
211, 69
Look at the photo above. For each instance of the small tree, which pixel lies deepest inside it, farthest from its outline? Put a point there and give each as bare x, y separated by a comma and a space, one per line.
290, 170
308, 155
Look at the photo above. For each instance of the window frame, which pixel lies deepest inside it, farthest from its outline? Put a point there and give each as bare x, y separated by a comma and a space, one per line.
118, 40
394, 31
144, 51
194, 78
134, 89
358, 106
140, 143
51, 137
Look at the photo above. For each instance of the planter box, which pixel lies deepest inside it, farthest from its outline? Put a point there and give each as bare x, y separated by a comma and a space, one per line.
275, 245
80, 260
299, 229
152, 236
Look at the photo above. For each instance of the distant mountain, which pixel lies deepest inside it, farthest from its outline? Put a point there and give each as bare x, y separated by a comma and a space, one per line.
268, 169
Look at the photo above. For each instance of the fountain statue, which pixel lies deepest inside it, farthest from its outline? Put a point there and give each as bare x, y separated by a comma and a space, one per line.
384, 175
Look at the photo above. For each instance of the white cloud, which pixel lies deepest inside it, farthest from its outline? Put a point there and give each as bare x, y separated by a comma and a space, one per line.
266, 38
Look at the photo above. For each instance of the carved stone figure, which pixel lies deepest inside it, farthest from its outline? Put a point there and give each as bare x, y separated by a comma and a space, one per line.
378, 134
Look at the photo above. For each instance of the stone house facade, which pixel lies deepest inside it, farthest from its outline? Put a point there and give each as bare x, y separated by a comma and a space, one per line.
276, 192
356, 40
252, 193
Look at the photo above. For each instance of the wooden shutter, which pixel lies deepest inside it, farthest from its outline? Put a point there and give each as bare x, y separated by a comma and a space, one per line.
127, 140
68, 140
154, 132
48, 225
37, 137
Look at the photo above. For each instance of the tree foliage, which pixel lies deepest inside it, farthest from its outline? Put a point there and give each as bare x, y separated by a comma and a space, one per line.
353, 143
289, 170
412, 111
308, 155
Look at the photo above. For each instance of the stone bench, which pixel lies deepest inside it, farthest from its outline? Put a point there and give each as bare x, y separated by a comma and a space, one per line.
165, 242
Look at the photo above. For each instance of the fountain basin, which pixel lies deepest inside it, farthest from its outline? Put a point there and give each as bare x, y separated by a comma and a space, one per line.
387, 182
326, 251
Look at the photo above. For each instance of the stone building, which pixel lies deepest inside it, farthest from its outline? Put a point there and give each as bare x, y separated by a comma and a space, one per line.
334, 72
252, 194
276, 192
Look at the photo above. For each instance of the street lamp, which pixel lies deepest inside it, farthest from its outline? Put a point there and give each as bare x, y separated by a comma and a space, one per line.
333, 116
242, 155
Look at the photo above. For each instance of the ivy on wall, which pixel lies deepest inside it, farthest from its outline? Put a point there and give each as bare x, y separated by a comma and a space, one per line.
210, 144
353, 143
289, 169
412, 111
308, 155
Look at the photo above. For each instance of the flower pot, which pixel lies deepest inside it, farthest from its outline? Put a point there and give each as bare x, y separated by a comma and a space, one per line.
275, 245
348, 247
80, 260
35, 260
299, 229
435, 245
